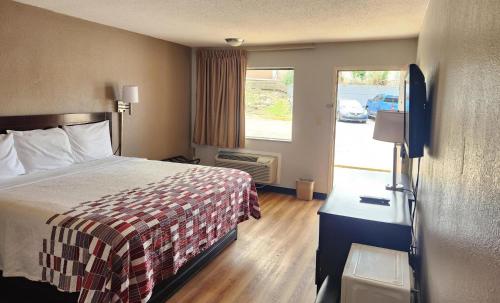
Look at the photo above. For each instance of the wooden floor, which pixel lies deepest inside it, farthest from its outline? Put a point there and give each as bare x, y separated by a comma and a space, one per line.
273, 259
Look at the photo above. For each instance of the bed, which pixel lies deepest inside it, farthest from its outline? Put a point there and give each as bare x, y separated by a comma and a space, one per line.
116, 229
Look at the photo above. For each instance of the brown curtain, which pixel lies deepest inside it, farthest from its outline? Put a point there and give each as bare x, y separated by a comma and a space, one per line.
220, 94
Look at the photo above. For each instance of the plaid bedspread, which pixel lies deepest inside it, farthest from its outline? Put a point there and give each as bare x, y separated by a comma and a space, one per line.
116, 248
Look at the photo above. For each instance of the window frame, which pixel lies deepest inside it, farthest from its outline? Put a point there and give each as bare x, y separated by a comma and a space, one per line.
293, 106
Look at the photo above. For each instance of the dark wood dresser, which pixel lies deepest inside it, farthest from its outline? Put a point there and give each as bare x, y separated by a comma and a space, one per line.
344, 220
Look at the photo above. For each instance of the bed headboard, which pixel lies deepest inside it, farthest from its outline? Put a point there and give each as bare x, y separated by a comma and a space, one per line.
52, 120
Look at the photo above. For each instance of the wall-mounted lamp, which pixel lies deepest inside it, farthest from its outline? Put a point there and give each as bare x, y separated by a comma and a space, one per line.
130, 95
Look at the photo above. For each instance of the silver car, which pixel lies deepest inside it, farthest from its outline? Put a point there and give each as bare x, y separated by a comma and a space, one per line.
352, 111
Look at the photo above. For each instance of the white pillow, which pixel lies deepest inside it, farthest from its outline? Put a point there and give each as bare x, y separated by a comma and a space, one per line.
90, 141
42, 149
10, 166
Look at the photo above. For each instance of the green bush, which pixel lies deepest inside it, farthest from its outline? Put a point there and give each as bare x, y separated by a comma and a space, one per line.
280, 110
288, 78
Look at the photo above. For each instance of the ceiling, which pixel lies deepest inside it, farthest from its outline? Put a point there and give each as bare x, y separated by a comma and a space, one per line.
259, 22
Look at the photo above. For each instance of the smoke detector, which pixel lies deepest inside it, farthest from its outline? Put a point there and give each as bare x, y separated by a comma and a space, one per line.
234, 42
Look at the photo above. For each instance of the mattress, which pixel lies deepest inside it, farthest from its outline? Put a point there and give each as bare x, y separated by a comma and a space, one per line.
112, 228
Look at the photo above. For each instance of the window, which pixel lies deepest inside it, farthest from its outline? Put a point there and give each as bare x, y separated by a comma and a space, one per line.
269, 104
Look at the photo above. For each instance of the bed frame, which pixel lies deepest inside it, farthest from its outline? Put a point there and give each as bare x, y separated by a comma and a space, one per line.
21, 290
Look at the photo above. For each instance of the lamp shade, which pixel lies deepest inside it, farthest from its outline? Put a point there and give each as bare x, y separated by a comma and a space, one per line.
130, 94
389, 126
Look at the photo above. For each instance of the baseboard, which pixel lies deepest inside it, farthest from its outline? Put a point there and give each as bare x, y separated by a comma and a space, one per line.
287, 191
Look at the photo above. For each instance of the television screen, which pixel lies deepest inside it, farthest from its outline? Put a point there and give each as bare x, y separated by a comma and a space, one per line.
415, 117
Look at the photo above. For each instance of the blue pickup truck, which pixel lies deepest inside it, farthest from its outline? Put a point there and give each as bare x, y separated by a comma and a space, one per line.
381, 102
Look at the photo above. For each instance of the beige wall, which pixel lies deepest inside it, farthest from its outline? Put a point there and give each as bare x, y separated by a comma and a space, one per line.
307, 156
459, 207
50, 63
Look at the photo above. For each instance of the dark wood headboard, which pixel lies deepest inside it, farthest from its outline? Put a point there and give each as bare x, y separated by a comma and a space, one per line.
52, 120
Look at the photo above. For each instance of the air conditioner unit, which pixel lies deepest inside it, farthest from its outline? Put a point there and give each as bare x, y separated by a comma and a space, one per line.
262, 168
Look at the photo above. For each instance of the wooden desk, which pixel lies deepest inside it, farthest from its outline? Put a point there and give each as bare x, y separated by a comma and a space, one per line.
343, 220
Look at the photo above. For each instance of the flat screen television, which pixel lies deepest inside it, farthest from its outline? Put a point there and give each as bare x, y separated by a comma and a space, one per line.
415, 109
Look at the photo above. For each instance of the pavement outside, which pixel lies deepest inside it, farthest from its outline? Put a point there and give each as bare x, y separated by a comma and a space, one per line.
268, 129
355, 146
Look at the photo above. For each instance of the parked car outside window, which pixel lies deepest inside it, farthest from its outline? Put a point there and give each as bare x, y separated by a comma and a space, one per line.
352, 111
381, 102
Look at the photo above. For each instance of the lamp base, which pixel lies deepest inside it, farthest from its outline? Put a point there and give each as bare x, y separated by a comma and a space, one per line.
397, 187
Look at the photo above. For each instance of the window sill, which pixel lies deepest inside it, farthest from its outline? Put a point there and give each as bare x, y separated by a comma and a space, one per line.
268, 139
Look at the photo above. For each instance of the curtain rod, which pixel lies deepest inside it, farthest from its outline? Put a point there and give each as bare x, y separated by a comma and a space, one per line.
284, 47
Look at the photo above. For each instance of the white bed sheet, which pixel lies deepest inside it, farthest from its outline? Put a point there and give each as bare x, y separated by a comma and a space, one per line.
54, 173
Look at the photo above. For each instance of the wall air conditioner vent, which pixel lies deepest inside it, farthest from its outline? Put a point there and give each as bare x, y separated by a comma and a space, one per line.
238, 157
262, 168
